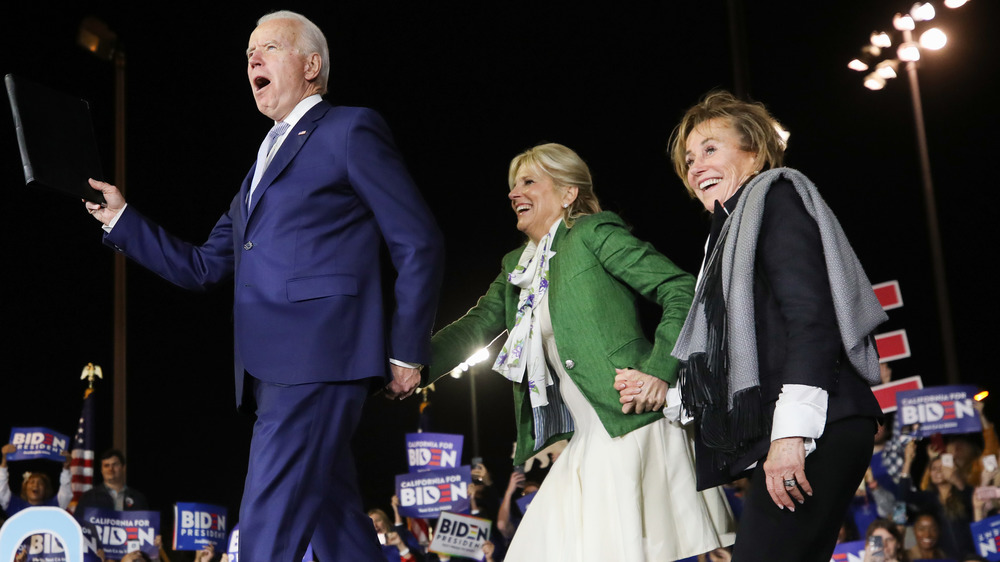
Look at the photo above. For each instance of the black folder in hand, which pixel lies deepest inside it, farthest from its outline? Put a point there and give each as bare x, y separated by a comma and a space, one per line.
56, 137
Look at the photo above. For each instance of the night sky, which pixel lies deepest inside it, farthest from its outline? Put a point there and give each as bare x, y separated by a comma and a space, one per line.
465, 87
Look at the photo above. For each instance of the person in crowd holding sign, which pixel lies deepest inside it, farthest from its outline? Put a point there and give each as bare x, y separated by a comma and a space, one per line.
509, 515
986, 495
36, 488
967, 455
568, 301
398, 543
947, 496
206, 554
891, 540
113, 493
776, 354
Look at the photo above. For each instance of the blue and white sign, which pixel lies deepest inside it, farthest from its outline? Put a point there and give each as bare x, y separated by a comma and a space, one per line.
524, 501
199, 524
460, 535
433, 451
986, 537
121, 532
427, 494
45, 547
234, 544
938, 409
853, 551
37, 443
17, 535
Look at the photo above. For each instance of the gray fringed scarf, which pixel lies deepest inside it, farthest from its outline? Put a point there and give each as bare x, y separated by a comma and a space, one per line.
717, 346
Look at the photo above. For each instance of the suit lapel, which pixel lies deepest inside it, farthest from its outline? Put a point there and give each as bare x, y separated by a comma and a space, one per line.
286, 152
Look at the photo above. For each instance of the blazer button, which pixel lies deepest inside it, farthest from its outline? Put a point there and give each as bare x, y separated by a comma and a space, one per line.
570, 364
248, 245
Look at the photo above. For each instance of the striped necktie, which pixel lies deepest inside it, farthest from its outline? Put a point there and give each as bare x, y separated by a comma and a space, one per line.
264, 155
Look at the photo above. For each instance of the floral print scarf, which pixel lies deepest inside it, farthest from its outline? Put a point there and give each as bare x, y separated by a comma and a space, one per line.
523, 353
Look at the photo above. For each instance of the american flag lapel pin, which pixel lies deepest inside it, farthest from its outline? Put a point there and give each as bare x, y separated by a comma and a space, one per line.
301, 133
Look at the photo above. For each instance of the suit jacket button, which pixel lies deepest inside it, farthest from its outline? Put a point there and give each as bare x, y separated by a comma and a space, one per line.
248, 245
570, 364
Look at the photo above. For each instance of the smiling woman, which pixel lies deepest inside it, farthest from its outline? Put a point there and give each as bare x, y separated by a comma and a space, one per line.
36, 488
568, 301
776, 358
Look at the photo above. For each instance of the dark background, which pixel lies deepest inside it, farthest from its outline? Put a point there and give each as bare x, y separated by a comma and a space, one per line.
465, 87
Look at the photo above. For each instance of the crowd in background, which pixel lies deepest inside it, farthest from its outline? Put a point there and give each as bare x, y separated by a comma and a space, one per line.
918, 499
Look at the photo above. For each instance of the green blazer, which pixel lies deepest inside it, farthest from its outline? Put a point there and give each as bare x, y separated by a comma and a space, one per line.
594, 280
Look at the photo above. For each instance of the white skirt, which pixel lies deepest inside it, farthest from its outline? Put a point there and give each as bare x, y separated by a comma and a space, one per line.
622, 499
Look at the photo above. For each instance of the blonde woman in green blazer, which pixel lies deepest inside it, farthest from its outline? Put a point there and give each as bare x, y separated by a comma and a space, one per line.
624, 488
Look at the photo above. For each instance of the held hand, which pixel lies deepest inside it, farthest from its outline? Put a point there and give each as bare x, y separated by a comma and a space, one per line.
651, 395
786, 460
516, 481
933, 452
205, 554
392, 538
115, 200
479, 472
68, 461
7, 449
404, 382
488, 550
909, 453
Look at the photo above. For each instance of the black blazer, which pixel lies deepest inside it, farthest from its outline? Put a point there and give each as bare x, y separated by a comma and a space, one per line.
798, 341
99, 497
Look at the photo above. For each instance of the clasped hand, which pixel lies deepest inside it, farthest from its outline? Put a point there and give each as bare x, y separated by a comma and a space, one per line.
405, 381
640, 392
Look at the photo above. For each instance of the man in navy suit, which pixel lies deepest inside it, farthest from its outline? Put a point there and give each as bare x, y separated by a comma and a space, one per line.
302, 239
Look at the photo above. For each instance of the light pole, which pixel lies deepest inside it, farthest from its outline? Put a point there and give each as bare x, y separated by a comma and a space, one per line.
463, 367
908, 53
95, 37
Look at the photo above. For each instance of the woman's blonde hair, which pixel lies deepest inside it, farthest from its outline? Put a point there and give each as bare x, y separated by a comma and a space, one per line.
757, 129
566, 169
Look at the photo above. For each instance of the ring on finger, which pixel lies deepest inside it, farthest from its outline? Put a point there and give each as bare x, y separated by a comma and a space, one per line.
790, 482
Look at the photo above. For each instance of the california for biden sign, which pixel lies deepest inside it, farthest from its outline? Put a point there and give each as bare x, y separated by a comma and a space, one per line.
426, 494
938, 409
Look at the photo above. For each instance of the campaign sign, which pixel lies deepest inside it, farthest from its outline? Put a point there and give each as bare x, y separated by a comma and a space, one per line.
460, 535
427, 494
233, 548
49, 532
986, 537
197, 525
91, 543
938, 409
42, 547
37, 443
121, 532
523, 502
853, 551
45, 547
431, 451
234, 544
888, 295
892, 346
886, 393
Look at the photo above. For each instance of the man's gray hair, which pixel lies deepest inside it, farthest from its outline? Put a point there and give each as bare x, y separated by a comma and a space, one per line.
311, 40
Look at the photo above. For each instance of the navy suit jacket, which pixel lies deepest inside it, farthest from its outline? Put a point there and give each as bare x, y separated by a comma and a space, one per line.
308, 303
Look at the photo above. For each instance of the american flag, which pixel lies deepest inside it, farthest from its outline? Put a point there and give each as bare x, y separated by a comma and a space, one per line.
81, 466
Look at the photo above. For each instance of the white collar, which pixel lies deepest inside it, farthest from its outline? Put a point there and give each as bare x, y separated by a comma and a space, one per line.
300, 109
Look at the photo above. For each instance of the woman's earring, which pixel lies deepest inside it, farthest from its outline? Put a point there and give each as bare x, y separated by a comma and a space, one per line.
565, 205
